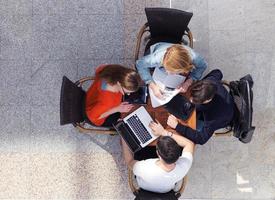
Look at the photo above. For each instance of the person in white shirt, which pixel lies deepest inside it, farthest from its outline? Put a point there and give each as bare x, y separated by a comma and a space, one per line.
162, 174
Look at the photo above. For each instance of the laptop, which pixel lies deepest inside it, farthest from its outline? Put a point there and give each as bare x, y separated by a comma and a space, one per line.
134, 129
138, 97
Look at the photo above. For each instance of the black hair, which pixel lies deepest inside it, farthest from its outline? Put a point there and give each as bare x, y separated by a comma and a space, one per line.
202, 90
168, 149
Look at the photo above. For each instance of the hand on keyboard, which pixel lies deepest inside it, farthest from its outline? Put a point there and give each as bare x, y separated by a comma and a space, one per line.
157, 128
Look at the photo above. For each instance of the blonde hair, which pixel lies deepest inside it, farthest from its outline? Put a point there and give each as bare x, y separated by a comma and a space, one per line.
128, 78
177, 59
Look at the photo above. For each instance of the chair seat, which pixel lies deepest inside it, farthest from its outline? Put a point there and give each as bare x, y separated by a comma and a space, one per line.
98, 127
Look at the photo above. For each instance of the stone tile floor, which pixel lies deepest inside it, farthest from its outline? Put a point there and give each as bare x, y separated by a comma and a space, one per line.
42, 40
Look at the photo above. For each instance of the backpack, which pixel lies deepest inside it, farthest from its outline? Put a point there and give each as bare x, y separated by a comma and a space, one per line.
242, 94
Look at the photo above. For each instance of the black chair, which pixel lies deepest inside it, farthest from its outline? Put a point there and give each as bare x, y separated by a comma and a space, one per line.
72, 107
165, 25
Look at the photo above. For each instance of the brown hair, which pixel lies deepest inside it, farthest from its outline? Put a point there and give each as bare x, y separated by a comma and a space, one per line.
128, 78
202, 90
177, 59
168, 149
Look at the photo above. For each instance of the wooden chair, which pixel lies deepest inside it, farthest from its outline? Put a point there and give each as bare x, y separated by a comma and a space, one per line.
72, 107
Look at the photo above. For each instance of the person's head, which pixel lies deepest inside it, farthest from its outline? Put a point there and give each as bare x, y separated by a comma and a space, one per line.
128, 79
177, 60
168, 149
202, 92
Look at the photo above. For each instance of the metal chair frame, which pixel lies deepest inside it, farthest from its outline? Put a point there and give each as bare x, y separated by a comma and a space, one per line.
145, 28
135, 189
81, 126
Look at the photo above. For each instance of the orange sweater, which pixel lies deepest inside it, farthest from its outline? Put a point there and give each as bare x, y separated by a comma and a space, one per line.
99, 101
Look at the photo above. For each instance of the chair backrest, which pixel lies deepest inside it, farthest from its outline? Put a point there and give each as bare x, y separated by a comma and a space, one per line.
71, 102
145, 195
167, 22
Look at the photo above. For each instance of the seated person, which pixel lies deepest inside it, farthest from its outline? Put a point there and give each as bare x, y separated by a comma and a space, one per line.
104, 97
161, 174
214, 108
175, 58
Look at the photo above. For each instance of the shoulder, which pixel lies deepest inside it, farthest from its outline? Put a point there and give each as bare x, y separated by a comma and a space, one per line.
193, 54
214, 75
185, 159
143, 165
160, 47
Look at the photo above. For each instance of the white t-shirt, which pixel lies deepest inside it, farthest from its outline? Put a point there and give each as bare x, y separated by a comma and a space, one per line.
153, 178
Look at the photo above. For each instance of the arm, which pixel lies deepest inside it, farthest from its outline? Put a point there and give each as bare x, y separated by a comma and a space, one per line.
187, 144
198, 137
123, 107
158, 130
143, 65
150, 61
108, 112
94, 113
127, 154
214, 75
199, 64
99, 112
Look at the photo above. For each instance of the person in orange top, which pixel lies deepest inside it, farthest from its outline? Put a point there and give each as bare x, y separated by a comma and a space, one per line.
104, 97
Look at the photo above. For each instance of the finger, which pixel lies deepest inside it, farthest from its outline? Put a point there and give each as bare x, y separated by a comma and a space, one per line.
126, 107
161, 95
152, 124
172, 117
157, 121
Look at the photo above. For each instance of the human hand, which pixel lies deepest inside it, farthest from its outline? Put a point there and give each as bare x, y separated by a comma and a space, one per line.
172, 121
124, 107
156, 90
185, 85
157, 128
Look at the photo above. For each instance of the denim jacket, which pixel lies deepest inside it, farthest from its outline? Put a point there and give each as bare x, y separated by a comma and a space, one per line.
155, 58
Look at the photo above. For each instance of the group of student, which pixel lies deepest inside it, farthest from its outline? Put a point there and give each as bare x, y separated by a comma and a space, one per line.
214, 110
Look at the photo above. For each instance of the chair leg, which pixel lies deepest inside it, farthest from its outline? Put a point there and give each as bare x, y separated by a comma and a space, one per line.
229, 134
182, 187
131, 183
92, 131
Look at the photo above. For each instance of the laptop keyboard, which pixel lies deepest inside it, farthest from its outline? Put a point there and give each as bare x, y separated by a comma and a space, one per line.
139, 129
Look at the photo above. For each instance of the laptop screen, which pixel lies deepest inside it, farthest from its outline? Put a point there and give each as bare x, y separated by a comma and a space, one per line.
126, 133
138, 97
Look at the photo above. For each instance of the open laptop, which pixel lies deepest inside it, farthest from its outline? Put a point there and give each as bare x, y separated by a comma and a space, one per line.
138, 97
134, 129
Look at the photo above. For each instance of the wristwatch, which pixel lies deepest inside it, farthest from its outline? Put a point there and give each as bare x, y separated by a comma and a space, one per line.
168, 133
